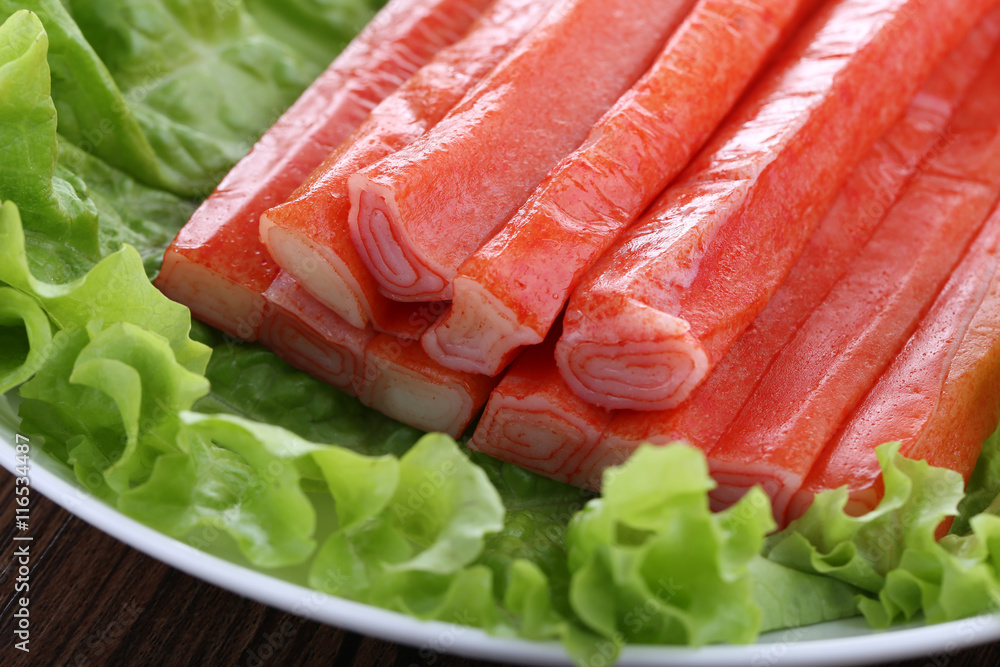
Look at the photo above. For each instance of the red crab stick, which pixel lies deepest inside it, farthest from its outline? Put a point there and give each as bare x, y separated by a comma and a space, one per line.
216, 265
534, 421
664, 305
509, 293
311, 337
939, 398
838, 353
418, 214
862, 203
401, 381
308, 236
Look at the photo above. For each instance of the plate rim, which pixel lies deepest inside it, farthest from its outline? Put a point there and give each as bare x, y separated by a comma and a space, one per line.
776, 648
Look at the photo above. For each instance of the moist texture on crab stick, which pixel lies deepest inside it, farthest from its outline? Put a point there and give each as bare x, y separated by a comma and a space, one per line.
939, 399
419, 213
509, 293
861, 205
217, 266
308, 235
313, 338
402, 382
534, 421
663, 306
838, 353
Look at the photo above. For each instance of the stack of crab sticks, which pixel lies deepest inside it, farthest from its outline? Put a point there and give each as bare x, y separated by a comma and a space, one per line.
769, 229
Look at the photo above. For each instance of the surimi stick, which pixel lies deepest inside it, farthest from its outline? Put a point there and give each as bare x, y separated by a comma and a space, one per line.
663, 306
308, 235
556, 437
534, 421
388, 373
509, 293
217, 266
839, 352
401, 381
311, 337
940, 397
860, 206
418, 214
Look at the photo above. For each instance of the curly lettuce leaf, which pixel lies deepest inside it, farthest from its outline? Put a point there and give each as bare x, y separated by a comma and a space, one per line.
891, 553
651, 563
116, 289
423, 518
984, 487
113, 395
25, 334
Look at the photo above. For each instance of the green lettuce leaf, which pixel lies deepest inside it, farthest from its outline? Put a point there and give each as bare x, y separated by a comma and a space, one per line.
318, 28
128, 212
114, 290
651, 563
158, 89
984, 487
75, 208
61, 222
892, 553
25, 334
113, 395
409, 541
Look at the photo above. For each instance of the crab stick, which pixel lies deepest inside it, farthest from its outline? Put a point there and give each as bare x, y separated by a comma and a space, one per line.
534, 421
308, 235
509, 293
311, 337
217, 266
419, 213
861, 205
662, 307
838, 353
401, 381
940, 397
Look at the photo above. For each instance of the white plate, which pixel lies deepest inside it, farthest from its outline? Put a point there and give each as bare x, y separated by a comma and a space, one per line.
847, 642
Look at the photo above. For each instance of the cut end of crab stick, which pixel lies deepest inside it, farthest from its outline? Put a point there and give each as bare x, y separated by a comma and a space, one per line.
217, 300
402, 271
736, 479
478, 334
534, 421
640, 359
401, 381
311, 337
317, 270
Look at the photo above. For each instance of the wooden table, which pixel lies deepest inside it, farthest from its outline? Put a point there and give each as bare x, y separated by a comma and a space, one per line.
96, 601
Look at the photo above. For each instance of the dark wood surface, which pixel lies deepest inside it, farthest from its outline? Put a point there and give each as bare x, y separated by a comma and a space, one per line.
96, 601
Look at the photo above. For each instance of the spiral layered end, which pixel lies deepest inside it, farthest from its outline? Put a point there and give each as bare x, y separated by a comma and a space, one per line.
634, 358
403, 272
478, 334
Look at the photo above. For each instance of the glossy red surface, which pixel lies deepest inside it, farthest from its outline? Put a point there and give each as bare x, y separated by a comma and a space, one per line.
721, 240
939, 398
838, 353
533, 263
222, 234
449, 191
869, 192
317, 212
